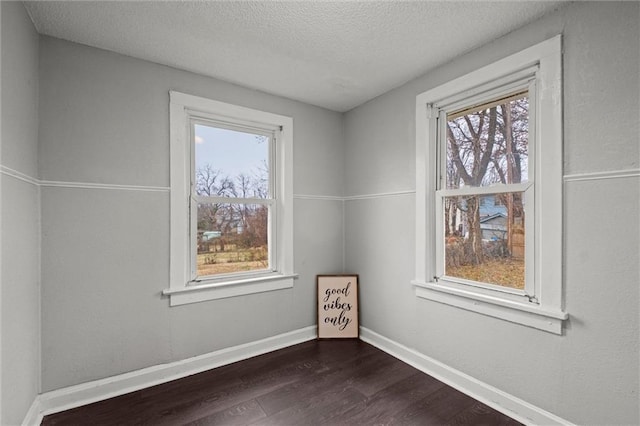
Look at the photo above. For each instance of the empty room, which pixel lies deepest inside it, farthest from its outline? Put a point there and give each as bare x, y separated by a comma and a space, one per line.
319, 212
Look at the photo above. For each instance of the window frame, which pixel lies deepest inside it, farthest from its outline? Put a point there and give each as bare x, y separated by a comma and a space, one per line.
541, 65
184, 111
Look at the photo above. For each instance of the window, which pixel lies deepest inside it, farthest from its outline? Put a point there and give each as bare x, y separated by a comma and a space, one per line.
489, 190
485, 157
231, 200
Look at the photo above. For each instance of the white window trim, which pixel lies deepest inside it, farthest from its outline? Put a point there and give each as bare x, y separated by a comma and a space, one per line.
545, 313
181, 290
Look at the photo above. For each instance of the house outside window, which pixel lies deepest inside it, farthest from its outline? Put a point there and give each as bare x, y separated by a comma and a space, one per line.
488, 158
231, 200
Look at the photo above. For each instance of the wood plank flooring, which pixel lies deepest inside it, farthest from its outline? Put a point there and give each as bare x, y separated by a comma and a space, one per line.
328, 382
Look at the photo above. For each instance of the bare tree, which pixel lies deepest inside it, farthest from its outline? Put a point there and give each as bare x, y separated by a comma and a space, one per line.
214, 216
476, 135
486, 147
210, 182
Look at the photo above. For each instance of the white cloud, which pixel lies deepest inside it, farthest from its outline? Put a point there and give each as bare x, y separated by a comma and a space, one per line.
199, 139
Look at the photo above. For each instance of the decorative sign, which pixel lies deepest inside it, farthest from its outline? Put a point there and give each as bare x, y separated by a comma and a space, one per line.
338, 306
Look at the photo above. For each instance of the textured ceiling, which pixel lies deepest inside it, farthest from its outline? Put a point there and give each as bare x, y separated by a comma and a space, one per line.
332, 54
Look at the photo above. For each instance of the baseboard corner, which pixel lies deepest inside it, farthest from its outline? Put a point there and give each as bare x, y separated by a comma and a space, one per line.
34, 414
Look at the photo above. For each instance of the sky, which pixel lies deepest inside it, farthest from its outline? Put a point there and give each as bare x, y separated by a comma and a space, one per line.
231, 152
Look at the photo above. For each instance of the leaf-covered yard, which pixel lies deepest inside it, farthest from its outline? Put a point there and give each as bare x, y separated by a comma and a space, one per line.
507, 272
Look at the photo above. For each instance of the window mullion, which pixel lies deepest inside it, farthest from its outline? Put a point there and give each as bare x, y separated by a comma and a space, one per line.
485, 190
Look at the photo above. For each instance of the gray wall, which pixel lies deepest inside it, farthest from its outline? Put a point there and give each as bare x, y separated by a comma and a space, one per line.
590, 374
20, 227
103, 119
105, 252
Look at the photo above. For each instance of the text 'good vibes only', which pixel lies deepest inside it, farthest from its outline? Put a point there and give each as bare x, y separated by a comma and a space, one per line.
335, 308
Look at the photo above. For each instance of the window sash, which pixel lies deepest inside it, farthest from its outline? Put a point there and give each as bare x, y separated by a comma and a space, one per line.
486, 99
196, 279
530, 288
271, 133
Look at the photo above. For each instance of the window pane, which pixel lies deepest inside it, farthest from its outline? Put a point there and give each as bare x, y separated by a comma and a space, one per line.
484, 238
232, 238
231, 163
488, 144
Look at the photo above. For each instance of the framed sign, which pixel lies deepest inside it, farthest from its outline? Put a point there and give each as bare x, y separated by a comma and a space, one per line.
338, 306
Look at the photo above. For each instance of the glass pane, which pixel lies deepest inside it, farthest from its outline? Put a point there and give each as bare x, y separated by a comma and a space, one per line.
232, 238
484, 238
488, 144
231, 163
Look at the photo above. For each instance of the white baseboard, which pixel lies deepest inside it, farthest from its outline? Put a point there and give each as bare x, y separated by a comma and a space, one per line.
508, 404
98, 390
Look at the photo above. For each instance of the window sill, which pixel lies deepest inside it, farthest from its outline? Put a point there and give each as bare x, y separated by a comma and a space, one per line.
529, 315
221, 290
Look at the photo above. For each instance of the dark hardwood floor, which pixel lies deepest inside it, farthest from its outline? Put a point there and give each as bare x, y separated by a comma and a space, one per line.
328, 382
